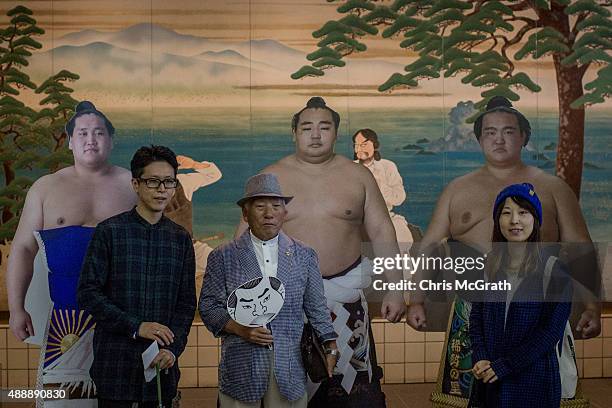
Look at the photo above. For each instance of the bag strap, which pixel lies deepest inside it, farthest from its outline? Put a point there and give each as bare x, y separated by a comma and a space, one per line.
550, 262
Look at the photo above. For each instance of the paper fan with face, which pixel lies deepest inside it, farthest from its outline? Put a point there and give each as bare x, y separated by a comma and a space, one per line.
257, 302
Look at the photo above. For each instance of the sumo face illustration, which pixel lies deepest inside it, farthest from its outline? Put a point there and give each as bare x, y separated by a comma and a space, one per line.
257, 302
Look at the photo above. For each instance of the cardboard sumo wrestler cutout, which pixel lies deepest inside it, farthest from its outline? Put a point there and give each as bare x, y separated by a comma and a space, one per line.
256, 303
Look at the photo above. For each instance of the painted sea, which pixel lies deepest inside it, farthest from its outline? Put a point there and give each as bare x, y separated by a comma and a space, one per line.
241, 142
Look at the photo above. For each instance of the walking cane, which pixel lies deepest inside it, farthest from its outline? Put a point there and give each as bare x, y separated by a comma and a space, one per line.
159, 396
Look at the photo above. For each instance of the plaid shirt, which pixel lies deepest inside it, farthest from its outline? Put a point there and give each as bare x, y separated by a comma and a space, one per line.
136, 272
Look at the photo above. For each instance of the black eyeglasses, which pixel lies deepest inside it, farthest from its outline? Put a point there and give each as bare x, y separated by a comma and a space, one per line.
155, 183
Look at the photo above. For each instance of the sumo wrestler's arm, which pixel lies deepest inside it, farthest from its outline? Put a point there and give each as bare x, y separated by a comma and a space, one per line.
21, 262
206, 173
437, 230
93, 280
581, 257
381, 232
186, 303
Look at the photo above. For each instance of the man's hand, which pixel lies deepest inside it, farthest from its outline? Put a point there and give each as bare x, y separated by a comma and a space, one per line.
330, 359
416, 316
21, 324
393, 306
156, 331
590, 324
257, 335
165, 358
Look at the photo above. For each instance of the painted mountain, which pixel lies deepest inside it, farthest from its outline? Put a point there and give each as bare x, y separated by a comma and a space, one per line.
152, 59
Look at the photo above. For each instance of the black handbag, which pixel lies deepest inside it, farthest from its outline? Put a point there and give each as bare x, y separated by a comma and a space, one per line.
313, 355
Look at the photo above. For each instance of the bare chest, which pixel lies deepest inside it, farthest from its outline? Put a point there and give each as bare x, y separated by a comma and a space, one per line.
471, 215
324, 198
85, 204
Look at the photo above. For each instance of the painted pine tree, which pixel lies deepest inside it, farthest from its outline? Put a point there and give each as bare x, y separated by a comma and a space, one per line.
31, 141
480, 41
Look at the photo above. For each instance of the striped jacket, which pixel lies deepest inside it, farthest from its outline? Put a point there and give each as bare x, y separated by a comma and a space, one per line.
244, 369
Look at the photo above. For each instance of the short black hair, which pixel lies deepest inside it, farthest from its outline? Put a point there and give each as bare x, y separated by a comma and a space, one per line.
85, 108
370, 135
149, 154
502, 104
316, 102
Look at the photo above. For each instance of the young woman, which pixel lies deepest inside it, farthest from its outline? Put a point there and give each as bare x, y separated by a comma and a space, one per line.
514, 332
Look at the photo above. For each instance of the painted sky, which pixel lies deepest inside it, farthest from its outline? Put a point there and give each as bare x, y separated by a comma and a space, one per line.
195, 53
287, 21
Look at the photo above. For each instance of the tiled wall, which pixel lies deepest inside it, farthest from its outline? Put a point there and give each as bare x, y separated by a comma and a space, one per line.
407, 356
415, 357
18, 361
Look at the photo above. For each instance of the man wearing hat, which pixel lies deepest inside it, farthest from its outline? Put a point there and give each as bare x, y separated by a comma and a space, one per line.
264, 363
338, 207
463, 211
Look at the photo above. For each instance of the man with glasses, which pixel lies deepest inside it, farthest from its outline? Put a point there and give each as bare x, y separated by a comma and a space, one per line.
138, 284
